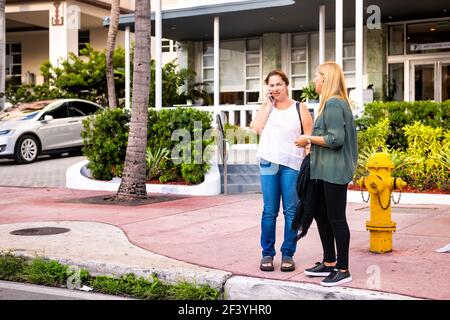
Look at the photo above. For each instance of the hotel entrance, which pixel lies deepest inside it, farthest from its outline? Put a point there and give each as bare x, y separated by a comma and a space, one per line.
430, 80
419, 61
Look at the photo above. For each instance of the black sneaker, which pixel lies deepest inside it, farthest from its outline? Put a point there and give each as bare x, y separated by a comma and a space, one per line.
336, 278
319, 270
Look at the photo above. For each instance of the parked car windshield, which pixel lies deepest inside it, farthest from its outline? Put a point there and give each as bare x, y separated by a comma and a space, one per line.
23, 111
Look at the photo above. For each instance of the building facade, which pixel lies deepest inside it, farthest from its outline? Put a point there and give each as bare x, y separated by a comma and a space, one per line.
38, 31
406, 46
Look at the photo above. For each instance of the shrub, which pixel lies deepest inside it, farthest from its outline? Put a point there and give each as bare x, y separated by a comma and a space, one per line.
154, 161
30, 93
187, 126
85, 75
425, 164
105, 137
237, 135
430, 113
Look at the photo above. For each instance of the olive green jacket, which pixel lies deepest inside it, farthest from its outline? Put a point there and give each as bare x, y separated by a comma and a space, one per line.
335, 163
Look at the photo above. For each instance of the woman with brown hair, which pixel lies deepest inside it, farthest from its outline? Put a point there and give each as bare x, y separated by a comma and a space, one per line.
333, 161
280, 121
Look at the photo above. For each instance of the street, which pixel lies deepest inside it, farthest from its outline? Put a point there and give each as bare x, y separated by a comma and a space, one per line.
21, 291
45, 172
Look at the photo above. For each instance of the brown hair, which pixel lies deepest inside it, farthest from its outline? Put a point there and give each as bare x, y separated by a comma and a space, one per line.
279, 73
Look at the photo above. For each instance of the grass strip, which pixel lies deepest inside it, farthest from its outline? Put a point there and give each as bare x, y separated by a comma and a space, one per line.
48, 272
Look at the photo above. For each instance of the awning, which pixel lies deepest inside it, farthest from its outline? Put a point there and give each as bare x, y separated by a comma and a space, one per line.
254, 17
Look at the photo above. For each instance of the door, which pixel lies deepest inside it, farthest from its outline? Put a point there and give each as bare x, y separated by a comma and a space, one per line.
430, 80
444, 68
56, 133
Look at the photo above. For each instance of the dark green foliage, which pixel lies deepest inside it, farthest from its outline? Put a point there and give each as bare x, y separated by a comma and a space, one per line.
105, 138
181, 123
172, 80
85, 75
46, 272
11, 266
51, 273
30, 93
430, 113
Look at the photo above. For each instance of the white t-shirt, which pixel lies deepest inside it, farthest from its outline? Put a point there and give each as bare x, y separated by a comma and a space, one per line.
278, 136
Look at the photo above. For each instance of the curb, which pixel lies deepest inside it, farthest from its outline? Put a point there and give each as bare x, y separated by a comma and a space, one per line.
246, 288
237, 287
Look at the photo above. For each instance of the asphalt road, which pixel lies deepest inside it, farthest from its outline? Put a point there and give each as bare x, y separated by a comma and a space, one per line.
45, 172
22, 291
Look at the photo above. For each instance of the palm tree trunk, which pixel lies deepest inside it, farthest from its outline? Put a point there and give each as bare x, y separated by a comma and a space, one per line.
110, 45
2, 54
132, 186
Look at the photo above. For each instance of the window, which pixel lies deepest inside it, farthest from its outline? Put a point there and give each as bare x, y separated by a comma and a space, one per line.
428, 37
81, 109
252, 70
83, 39
240, 70
349, 58
396, 40
59, 112
395, 83
13, 61
299, 69
166, 46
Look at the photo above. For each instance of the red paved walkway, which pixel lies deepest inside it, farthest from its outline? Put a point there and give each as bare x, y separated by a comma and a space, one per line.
222, 232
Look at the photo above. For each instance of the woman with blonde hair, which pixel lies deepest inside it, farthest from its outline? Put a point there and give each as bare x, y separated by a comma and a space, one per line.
281, 121
333, 155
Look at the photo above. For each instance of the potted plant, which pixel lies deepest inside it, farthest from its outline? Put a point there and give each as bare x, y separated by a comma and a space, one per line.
309, 93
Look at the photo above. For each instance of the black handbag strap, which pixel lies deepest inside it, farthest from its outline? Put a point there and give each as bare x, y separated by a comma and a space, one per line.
297, 104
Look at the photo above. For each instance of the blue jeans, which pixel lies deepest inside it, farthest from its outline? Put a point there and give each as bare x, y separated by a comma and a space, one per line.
278, 182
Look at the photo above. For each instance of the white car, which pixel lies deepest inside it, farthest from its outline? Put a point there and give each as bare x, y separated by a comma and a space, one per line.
44, 127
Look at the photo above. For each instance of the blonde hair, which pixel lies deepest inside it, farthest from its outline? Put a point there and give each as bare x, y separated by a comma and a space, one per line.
333, 85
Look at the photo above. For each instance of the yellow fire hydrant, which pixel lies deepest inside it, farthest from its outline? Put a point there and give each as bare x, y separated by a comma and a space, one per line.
380, 185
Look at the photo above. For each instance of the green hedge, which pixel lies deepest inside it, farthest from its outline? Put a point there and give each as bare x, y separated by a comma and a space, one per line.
105, 138
424, 164
162, 124
400, 114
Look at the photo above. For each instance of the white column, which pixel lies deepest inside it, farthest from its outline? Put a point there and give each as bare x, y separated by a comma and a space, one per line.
339, 31
158, 58
322, 34
359, 46
406, 80
127, 67
216, 67
64, 23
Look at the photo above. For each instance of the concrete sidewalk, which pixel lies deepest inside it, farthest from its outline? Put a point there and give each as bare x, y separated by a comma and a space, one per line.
215, 240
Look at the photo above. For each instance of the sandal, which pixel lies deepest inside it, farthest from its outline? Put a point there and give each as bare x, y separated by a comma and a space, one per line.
287, 264
266, 264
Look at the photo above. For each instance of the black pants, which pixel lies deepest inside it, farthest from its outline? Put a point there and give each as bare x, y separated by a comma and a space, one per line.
331, 222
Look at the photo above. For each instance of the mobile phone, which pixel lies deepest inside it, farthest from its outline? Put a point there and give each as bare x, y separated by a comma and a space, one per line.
271, 97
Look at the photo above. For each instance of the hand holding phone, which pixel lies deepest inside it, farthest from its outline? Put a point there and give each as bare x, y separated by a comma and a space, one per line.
270, 97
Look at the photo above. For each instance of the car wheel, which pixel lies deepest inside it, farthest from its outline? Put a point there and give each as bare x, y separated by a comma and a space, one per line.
27, 149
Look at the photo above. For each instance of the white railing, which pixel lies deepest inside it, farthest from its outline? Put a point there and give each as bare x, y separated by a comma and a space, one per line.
240, 115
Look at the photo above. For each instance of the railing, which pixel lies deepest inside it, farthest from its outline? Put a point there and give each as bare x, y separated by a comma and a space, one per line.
222, 150
240, 115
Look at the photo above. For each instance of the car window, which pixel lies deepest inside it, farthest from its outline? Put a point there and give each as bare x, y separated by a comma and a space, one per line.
59, 112
79, 108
